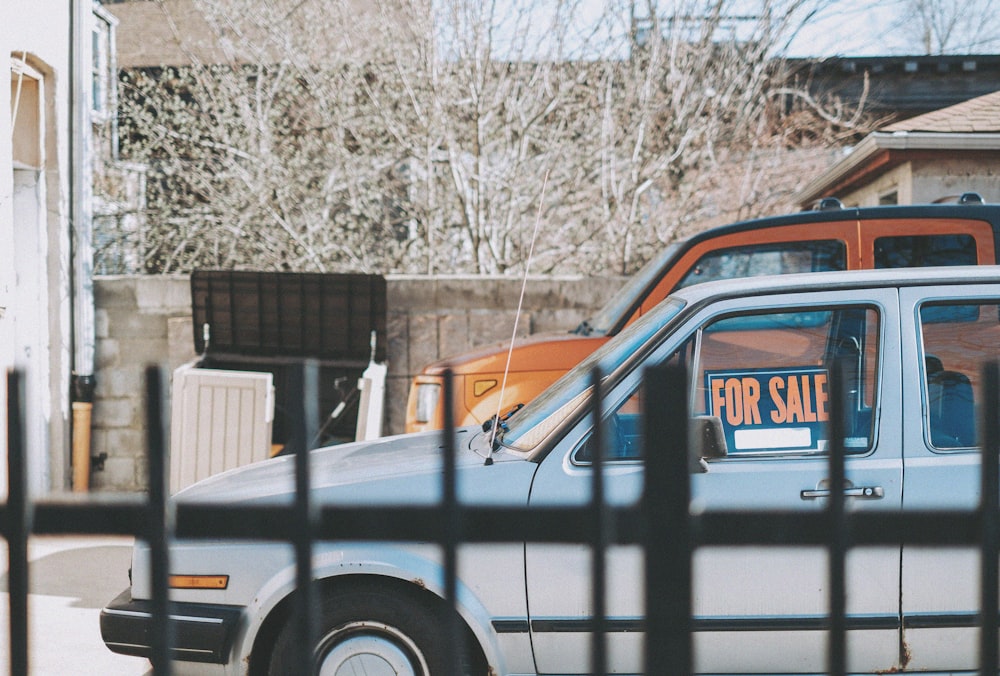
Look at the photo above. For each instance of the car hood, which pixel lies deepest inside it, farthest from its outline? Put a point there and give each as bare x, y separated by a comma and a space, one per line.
404, 469
556, 351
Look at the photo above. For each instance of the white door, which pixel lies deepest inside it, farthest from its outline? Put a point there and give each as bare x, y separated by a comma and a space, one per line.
28, 311
757, 610
28, 315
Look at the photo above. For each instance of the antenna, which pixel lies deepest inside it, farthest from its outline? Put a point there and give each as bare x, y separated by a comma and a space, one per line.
517, 318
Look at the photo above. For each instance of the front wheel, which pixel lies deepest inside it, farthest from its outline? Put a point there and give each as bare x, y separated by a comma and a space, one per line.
373, 631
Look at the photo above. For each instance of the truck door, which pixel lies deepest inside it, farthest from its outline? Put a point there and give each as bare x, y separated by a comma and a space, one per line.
955, 336
762, 369
919, 243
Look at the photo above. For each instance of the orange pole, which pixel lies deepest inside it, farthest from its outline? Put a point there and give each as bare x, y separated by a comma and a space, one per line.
81, 445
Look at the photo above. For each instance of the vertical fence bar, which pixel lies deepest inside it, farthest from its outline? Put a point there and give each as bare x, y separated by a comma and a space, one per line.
304, 383
989, 507
837, 543
19, 511
666, 511
159, 523
601, 536
452, 531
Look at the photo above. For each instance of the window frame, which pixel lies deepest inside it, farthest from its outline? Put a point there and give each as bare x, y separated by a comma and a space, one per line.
923, 352
693, 336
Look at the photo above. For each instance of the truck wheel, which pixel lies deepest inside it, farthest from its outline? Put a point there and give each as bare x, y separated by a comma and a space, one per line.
372, 631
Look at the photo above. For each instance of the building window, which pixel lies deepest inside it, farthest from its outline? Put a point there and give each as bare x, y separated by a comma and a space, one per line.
102, 69
26, 92
891, 197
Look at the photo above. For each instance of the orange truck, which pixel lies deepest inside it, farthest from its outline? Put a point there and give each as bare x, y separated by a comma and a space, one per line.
829, 238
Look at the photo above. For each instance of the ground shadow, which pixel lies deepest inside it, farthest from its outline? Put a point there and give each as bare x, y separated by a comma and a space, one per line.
91, 575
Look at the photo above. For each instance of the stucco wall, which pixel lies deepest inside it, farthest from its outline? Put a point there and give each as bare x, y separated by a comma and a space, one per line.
147, 320
921, 182
36, 177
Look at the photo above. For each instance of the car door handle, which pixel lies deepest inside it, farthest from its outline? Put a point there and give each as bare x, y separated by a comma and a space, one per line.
863, 492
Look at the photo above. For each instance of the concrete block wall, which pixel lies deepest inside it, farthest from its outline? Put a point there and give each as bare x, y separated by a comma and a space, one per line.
147, 320
139, 321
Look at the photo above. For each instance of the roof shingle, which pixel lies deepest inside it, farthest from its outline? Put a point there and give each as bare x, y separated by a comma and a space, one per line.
978, 115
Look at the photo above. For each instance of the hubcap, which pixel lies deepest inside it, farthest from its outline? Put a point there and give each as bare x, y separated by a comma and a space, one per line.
369, 649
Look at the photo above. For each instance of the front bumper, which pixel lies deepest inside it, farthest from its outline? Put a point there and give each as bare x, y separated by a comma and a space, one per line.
202, 632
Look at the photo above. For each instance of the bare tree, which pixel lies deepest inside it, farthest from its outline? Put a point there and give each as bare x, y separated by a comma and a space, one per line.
949, 27
419, 136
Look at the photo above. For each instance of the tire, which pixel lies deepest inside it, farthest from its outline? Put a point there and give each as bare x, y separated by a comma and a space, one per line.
374, 631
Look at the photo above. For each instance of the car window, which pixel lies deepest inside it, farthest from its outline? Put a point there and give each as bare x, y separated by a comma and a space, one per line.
623, 302
567, 396
766, 378
916, 251
957, 340
768, 259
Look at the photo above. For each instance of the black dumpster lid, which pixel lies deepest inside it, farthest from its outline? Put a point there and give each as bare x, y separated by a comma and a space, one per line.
289, 314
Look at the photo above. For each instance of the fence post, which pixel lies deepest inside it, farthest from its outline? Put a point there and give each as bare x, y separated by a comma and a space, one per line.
159, 523
601, 536
19, 511
837, 543
452, 530
667, 537
304, 383
989, 508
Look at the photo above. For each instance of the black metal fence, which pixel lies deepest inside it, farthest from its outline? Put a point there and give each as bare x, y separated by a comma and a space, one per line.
661, 523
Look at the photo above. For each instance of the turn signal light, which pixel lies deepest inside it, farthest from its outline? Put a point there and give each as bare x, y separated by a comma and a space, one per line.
481, 387
199, 581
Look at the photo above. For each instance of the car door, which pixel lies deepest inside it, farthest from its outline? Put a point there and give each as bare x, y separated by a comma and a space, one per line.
761, 367
955, 331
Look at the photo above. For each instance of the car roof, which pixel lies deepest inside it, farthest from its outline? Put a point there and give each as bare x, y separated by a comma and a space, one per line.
982, 212
835, 281
817, 220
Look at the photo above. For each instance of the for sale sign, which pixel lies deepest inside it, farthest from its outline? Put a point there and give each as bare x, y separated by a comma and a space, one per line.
770, 409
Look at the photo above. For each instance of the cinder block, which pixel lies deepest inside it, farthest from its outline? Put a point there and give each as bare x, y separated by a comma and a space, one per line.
463, 293
180, 341
119, 475
101, 324
487, 328
125, 442
423, 347
453, 332
135, 325
141, 352
109, 413
411, 293
114, 292
556, 321
119, 382
106, 354
397, 389
163, 294
398, 335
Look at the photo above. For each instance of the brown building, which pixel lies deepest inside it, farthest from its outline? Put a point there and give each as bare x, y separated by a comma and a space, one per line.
929, 158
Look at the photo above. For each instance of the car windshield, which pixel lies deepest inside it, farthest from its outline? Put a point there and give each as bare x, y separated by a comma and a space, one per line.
557, 404
622, 303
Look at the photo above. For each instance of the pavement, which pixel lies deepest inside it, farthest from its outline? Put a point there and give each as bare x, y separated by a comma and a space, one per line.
70, 580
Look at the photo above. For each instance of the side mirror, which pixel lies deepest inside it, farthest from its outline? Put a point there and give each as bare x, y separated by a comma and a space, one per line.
707, 440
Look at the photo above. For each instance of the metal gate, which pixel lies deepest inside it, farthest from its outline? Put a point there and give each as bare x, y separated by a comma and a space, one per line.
668, 623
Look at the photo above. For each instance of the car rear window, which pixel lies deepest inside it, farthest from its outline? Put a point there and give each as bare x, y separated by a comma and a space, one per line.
924, 251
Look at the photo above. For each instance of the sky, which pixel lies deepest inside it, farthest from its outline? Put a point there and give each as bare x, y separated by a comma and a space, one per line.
841, 28
853, 28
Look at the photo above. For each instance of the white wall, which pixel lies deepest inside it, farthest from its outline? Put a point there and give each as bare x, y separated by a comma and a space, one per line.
923, 181
34, 233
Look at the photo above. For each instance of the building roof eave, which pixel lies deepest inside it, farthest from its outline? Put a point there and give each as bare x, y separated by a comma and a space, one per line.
875, 147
